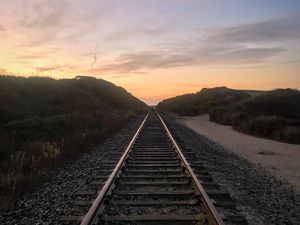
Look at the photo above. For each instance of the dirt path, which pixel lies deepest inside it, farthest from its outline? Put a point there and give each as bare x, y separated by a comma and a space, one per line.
280, 159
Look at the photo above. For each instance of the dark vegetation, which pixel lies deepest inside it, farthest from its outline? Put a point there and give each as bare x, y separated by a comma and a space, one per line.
273, 114
46, 122
202, 101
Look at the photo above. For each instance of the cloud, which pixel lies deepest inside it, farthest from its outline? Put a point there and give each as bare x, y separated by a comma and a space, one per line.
30, 56
145, 61
246, 44
287, 28
59, 20
42, 20
2, 28
146, 31
42, 14
38, 54
49, 68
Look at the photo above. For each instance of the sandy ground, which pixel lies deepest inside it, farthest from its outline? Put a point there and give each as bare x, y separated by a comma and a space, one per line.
280, 159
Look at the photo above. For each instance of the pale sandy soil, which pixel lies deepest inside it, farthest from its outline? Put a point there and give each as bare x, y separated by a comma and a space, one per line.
280, 159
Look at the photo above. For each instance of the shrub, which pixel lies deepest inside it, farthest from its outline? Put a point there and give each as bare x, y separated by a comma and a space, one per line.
220, 115
240, 120
290, 133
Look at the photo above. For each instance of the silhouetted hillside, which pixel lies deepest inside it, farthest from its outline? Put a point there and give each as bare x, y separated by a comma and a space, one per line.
271, 114
44, 122
202, 101
275, 114
27, 97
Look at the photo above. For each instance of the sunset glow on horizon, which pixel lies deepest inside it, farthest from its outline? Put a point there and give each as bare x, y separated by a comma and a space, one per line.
155, 49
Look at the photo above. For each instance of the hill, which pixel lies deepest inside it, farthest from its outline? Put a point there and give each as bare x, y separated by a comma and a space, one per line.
45, 122
22, 98
202, 101
274, 114
254, 92
271, 114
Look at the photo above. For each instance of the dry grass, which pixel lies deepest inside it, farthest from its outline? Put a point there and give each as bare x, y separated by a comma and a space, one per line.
23, 171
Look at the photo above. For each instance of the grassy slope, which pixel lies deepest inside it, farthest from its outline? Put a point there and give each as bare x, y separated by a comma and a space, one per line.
27, 97
44, 122
274, 114
202, 101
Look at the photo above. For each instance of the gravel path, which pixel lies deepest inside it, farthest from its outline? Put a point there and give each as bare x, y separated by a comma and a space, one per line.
44, 205
262, 198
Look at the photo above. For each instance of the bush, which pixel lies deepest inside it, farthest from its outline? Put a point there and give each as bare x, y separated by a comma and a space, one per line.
220, 115
240, 120
265, 126
290, 133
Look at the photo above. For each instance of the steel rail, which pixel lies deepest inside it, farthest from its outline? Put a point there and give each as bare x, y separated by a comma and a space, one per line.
91, 215
213, 216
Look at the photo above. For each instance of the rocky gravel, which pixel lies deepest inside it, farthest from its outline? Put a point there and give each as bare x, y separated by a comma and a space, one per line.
55, 195
260, 197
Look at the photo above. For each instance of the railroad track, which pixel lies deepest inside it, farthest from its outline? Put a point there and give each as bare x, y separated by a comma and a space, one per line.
154, 181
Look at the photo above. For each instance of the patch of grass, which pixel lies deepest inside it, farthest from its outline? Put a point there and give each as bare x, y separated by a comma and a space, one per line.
201, 219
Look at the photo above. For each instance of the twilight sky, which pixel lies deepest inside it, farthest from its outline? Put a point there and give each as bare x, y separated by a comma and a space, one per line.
155, 48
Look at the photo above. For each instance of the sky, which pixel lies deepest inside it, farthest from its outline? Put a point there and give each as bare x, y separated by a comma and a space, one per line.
155, 49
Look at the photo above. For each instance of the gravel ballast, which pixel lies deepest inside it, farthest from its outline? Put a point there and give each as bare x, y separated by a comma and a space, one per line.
260, 197
55, 195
